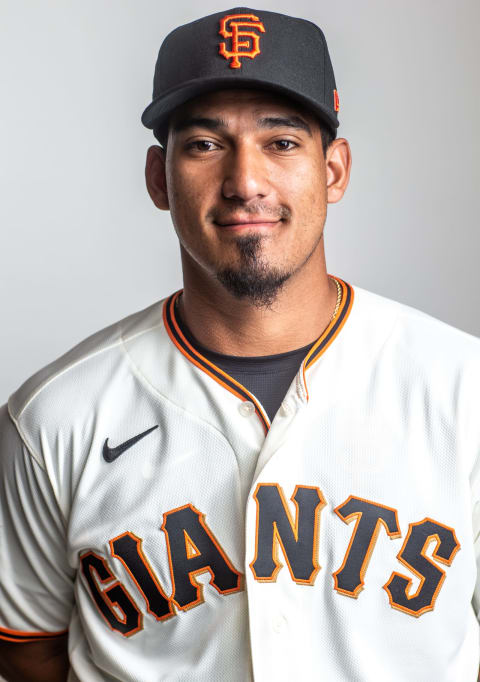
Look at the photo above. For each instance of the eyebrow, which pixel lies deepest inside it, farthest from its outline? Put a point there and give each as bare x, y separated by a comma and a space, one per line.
269, 122
199, 122
285, 122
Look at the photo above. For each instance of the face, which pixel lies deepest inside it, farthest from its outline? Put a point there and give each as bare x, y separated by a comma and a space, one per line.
245, 180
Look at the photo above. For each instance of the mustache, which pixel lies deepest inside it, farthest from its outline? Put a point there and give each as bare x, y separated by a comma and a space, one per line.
258, 209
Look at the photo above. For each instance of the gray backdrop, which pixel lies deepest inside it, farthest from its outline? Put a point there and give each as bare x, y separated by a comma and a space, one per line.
83, 246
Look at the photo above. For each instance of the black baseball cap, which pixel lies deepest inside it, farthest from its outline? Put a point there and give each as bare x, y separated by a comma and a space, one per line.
244, 48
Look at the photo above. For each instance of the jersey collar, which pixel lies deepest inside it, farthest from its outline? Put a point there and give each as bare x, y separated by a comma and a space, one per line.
195, 356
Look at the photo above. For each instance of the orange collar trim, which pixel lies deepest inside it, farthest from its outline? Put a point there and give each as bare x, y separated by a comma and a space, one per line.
200, 361
228, 382
333, 329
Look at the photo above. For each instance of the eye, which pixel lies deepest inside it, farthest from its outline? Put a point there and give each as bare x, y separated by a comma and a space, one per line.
284, 145
201, 145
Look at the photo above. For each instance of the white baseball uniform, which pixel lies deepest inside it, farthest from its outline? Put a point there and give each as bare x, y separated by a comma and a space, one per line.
200, 542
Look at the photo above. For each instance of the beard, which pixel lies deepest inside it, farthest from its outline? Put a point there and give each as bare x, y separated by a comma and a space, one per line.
253, 280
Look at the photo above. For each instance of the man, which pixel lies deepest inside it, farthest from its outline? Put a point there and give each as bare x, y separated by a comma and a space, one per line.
268, 475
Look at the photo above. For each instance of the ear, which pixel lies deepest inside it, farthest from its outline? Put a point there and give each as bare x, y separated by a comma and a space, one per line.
155, 177
338, 163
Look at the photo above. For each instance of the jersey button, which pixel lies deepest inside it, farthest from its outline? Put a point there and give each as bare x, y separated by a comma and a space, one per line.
279, 623
286, 409
246, 408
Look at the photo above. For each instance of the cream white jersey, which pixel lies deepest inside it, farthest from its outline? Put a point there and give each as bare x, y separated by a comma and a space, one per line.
150, 509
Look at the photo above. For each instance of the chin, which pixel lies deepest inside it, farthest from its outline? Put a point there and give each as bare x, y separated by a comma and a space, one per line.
258, 285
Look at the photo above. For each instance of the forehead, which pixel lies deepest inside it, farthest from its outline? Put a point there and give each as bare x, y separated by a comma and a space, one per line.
242, 102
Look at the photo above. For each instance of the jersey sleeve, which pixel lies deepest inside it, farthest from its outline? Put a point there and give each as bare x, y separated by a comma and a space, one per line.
36, 581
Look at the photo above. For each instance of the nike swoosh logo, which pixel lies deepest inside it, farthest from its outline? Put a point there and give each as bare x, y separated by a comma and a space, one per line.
111, 454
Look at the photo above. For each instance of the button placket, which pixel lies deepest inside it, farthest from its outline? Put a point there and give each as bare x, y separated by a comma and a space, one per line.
283, 428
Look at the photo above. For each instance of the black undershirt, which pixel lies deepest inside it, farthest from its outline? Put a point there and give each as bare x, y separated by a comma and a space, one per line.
267, 377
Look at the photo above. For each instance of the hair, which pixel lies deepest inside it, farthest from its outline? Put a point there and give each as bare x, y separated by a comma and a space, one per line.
161, 134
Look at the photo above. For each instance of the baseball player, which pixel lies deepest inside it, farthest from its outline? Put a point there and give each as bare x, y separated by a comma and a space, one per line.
270, 474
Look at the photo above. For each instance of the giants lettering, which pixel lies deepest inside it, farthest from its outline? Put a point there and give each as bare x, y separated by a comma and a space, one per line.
128, 548
193, 549
370, 518
412, 555
298, 540
112, 600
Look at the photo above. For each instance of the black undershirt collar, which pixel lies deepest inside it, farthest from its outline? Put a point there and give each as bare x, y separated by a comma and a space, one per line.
267, 377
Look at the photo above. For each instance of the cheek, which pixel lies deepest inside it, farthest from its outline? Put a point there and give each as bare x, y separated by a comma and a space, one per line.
306, 192
182, 197
189, 199
189, 191
315, 182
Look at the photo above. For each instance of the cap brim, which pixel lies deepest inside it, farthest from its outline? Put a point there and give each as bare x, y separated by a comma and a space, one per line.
156, 114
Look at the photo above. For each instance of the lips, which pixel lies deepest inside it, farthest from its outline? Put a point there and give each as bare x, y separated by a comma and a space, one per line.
244, 222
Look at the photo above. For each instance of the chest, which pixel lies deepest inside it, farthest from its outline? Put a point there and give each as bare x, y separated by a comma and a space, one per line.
333, 499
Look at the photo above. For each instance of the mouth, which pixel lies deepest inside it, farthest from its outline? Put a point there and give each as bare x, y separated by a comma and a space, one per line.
236, 224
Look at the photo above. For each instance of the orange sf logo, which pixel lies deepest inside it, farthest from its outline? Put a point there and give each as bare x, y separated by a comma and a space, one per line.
242, 21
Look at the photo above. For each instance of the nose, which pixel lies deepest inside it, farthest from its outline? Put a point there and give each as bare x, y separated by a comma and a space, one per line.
245, 174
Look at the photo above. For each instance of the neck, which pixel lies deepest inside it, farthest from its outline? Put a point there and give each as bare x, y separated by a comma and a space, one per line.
298, 316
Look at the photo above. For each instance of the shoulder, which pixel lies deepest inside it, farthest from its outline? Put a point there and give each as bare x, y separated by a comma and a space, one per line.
413, 334
71, 386
415, 359
418, 367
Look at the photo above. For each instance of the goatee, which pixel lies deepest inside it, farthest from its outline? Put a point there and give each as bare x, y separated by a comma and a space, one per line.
253, 279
